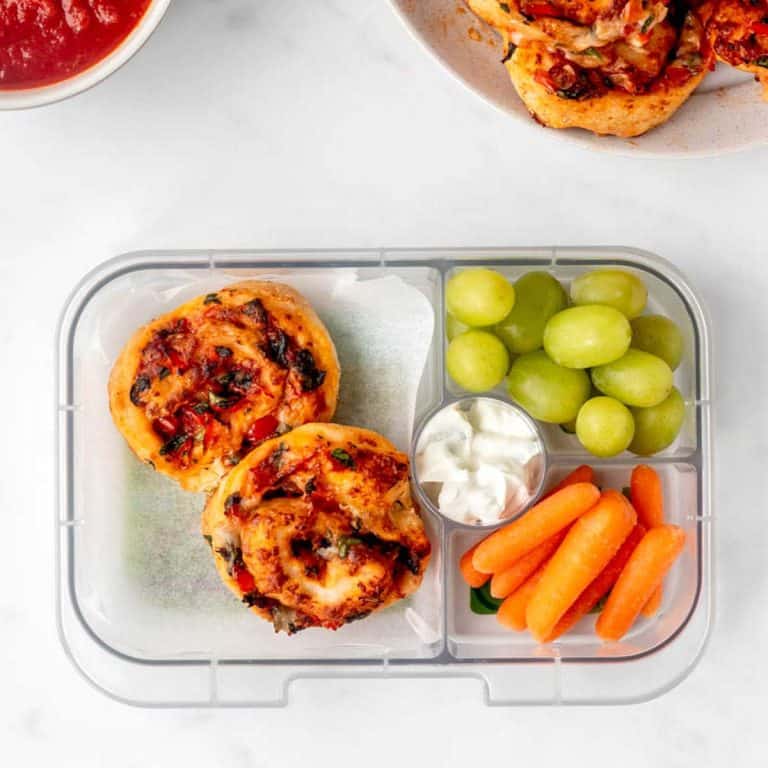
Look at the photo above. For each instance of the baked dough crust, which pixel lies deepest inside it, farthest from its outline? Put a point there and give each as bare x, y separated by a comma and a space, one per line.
317, 528
198, 387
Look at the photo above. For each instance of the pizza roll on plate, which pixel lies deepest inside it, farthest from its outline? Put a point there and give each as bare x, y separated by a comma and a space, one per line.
617, 89
738, 33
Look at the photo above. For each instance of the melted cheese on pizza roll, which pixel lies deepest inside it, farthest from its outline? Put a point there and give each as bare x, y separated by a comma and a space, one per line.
317, 528
196, 389
577, 25
618, 89
738, 33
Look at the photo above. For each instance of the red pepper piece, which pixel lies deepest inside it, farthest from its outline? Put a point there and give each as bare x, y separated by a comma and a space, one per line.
262, 428
164, 426
243, 577
677, 76
540, 9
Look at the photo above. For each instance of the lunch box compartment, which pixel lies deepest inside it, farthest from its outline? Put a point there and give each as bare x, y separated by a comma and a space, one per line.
141, 609
476, 636
662, 299
142, 575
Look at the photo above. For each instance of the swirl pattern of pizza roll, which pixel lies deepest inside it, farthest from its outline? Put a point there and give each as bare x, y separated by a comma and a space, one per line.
317, 528
196, 389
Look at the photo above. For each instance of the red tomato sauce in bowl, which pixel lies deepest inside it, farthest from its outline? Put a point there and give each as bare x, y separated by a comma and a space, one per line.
47, 41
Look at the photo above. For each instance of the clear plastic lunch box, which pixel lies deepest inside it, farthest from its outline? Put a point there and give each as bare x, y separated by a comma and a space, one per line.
145, 636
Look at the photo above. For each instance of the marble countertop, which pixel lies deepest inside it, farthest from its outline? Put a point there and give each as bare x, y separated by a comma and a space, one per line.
323, 124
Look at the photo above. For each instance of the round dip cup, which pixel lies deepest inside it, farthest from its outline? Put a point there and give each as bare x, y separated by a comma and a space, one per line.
37, 96
428, 492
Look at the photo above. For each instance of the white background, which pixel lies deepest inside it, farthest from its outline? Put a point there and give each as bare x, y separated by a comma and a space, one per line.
266, 123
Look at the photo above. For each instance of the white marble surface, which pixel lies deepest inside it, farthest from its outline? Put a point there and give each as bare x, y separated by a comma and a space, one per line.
259, 123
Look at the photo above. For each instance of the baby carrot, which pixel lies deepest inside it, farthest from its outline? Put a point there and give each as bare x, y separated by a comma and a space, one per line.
599, 587
541, 522
582, 474
648, 499
589, 546
471, 576
647, 495
505, 582
512, 611
647, 566
651, 608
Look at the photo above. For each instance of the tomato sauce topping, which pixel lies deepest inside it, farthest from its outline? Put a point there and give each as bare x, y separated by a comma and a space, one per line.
219, 384
283, 474
741, 33
569, 81
47, 41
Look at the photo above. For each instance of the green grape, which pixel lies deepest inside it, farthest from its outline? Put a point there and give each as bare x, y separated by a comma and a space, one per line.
657, 427
478, 297
583, 337
613, 288
538, 296
659, 336
604, 426
477, 361
548, 391
639, 379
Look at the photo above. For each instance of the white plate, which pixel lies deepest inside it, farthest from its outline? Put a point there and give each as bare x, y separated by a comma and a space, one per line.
725, 114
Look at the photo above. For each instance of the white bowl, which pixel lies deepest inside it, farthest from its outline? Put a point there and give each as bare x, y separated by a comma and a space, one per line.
46, 94
726, 113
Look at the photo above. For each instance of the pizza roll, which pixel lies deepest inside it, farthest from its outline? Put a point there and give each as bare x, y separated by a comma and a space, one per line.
618, 89
317, 528
738, 33
194, 390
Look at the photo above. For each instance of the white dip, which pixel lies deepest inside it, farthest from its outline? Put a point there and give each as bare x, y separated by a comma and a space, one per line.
479, 460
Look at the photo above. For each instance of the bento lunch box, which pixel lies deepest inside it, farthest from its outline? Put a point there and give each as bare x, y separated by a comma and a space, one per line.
141, 611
